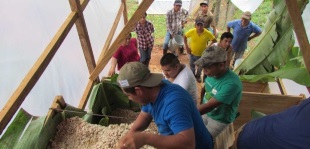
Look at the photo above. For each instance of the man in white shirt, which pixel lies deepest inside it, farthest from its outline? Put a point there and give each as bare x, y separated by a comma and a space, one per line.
180, 74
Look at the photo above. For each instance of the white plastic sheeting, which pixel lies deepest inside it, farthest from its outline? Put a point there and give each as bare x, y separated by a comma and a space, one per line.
162, 6
27, 27
247, 5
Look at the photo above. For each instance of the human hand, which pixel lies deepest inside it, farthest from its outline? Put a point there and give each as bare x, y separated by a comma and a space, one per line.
111, 72
133, 140
188, 50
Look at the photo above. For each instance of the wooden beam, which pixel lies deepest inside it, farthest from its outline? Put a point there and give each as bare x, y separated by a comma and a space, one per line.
281, 86
35, 72
299, 28
265, 103
83, 35
125, 12
83, 4
90, 83
58, 103
121, 37
112, 32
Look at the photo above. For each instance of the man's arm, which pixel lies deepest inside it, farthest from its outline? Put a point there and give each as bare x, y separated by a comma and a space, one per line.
229, 56
209, 106
168, 23
141, 123
228, 29
113, 66
214, 31
254, 36
184, 139
188, 50
213, 41
202, 94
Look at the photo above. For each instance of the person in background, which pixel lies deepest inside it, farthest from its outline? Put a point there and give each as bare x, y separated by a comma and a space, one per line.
175, 19
199, 38
223, 90
207, 17
180, 74
145, 30
286, 130
243, 30
225, 43
127, 52
172, 108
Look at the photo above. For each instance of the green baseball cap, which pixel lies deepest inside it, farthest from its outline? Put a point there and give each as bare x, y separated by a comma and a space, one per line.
134, 74
211, 55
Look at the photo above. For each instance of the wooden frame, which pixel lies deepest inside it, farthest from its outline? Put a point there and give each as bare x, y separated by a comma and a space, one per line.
299, 28
76, 16
126, 30
265, 103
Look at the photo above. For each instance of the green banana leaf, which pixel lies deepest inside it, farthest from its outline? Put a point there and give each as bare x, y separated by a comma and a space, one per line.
294, 69
275, 50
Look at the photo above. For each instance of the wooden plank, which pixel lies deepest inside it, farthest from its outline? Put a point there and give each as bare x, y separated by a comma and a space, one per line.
83, 35
90, 83
125, 12
58, 103
299, 28
112, 32
253, 86
266, 103
84, 4
121, 37
35, 72
281, 86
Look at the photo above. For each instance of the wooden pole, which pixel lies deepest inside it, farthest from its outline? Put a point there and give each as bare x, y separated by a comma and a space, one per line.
83, 35
37, 70
125, 12
126, 30
90, 83
299, 28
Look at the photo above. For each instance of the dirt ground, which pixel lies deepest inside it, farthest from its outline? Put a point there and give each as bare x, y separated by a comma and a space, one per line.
154, 66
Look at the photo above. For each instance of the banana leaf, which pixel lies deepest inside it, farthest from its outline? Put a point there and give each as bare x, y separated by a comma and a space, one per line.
274, 50
294, 69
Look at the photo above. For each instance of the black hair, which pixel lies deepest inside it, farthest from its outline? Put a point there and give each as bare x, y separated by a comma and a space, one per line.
145, 14
227, 35
169, 59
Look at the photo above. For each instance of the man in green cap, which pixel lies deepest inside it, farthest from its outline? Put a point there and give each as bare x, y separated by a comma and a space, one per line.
172, 108
223, 91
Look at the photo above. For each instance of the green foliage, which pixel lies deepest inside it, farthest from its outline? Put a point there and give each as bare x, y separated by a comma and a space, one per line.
256, 114
274, 51
16, 128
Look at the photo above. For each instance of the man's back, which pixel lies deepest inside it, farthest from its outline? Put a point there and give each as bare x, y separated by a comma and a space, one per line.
187, 80
288, 129
174, 111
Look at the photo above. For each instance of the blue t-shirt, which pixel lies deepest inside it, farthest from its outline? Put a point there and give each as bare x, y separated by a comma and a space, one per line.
241, 35
174, 111
289, 129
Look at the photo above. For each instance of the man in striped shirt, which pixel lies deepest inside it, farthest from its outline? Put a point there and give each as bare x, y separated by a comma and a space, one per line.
145, 30
175, 19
